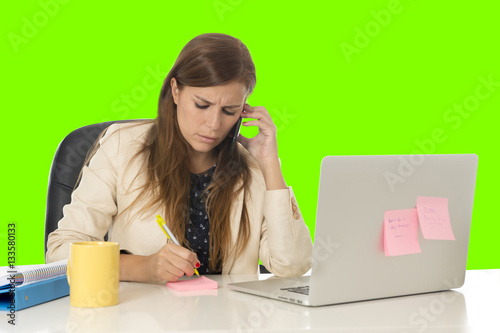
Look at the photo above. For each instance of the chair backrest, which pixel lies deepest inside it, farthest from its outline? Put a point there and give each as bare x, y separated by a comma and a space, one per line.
66, 166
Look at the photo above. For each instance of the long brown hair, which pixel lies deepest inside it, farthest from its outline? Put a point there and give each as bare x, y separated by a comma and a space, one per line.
207, 60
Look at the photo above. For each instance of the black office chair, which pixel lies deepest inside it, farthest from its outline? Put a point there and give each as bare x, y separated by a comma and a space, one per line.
66, 166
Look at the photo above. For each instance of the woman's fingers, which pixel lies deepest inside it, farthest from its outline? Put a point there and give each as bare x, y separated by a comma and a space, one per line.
173, 262
263, 146
257, 112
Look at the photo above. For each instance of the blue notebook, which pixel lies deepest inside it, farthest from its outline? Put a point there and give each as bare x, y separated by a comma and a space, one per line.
35, 293
33, 285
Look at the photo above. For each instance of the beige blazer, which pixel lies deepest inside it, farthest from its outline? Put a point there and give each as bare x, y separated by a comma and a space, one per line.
278, 234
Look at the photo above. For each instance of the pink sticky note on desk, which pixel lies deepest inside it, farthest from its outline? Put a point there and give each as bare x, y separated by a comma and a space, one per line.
434, 218
201, 283
401, 232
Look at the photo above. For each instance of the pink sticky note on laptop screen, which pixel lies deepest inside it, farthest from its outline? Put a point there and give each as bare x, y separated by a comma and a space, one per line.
434, 218
201, 283
401, 232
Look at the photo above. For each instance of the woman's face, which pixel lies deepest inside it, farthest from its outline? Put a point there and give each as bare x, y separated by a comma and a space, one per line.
207, 114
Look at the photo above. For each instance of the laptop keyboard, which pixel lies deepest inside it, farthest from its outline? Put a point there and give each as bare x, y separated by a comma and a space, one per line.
304, 290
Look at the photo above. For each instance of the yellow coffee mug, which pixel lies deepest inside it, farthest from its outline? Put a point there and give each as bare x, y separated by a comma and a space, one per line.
93, 274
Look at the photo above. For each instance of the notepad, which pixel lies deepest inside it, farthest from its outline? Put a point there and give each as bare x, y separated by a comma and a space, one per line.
401, 232
24, 275
201, 283
434, 218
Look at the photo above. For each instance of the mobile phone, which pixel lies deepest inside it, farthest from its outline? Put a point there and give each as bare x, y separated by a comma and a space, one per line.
235, 131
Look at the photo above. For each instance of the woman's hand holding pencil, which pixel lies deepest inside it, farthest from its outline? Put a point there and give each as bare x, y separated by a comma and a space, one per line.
170, 263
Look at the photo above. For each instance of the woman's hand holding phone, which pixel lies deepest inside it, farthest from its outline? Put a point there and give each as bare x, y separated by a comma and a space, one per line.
264, 146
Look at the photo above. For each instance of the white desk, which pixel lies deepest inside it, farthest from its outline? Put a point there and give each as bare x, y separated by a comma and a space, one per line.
153, 308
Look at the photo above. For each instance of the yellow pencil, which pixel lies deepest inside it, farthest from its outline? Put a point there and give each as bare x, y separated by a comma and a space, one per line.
170, 235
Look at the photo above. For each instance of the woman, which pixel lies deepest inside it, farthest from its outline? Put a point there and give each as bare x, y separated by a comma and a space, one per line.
228, 206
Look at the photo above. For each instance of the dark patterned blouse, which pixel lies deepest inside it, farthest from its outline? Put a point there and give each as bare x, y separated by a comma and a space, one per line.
197, 225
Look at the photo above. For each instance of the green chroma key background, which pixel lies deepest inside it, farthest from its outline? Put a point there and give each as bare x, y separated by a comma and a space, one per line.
361, 78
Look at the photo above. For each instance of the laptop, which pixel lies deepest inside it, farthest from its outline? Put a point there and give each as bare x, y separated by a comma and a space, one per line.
349, 262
